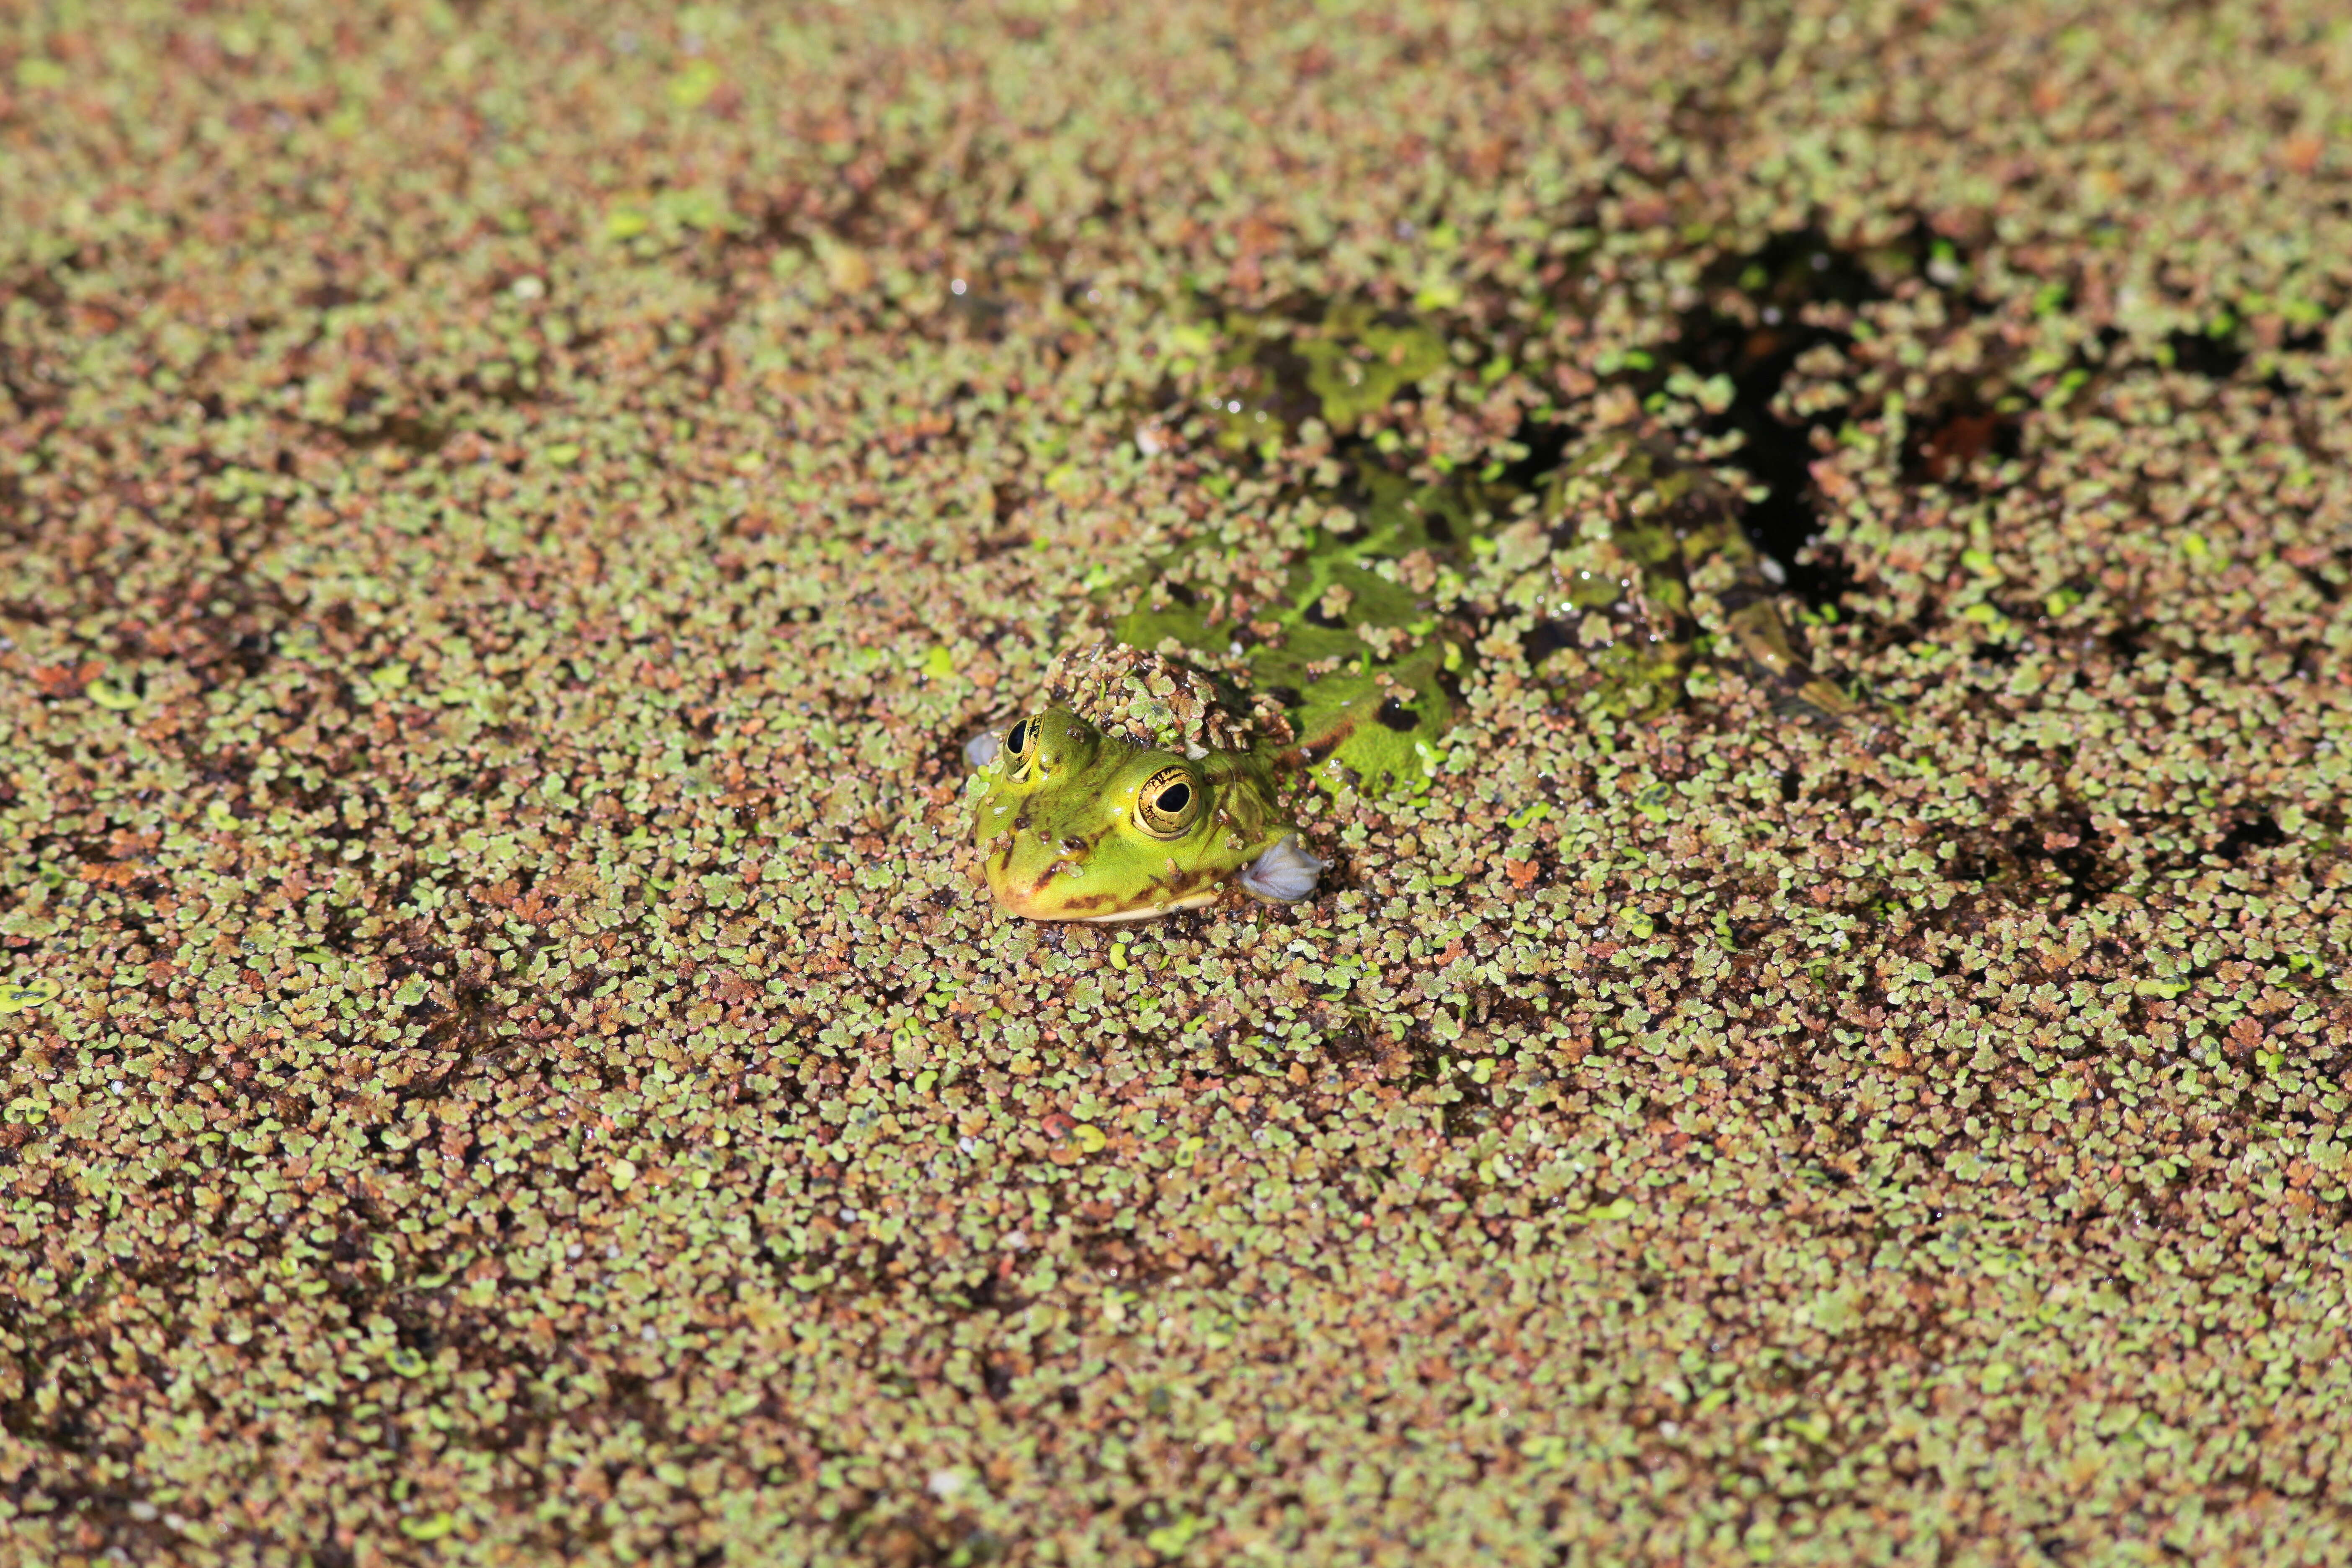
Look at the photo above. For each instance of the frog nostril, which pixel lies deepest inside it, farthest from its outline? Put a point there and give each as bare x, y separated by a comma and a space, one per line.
1074, 843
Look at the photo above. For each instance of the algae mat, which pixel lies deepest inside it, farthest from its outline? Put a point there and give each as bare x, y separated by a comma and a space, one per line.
506, 517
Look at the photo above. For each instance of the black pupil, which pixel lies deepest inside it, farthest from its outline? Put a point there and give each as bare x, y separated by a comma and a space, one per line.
1019, 740
1175, 798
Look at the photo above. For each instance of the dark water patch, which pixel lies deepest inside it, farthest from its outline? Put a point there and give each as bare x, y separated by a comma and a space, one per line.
1952, 433
15, 522
1543, 442
1761, 312
2218, 356
422, 437
2258, 831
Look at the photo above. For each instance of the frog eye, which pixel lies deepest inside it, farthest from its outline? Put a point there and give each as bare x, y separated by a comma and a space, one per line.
1167, 803
1021, 746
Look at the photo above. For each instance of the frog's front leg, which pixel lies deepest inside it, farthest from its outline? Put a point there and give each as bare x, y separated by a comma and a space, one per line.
982, 748
1285, 873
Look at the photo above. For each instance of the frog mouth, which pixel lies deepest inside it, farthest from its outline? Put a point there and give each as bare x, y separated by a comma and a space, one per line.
1034, 897
1189, 901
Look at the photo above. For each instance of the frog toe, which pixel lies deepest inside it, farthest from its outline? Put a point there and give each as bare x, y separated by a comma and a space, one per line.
1285, 873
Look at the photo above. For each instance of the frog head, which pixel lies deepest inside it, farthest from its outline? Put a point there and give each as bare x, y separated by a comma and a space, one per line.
1080, 825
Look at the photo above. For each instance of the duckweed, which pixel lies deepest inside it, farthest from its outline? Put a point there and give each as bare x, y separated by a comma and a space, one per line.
507, 1060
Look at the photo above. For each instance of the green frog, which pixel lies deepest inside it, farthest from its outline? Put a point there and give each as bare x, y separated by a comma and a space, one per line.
1142, 786
1324, 642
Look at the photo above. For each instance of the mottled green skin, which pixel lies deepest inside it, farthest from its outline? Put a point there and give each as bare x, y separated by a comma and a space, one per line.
1619, 568
1647, 571
1360, 719
1628, 559
1065, 838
